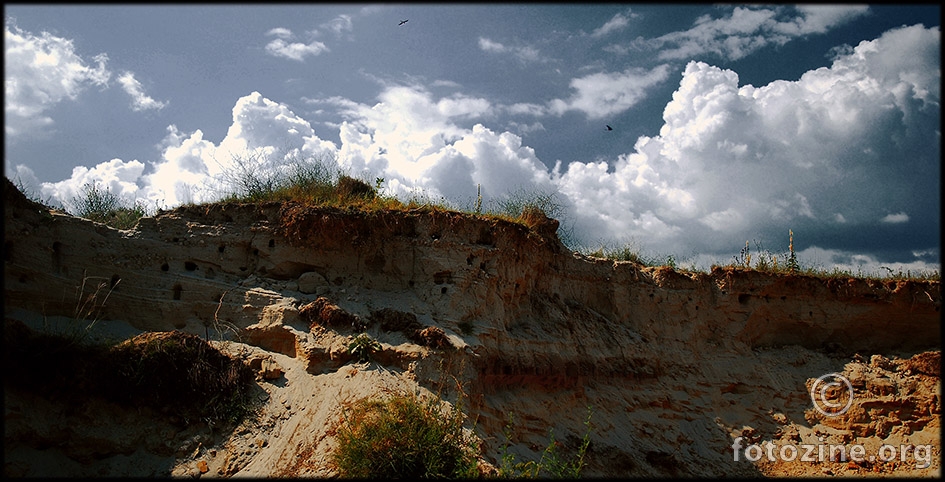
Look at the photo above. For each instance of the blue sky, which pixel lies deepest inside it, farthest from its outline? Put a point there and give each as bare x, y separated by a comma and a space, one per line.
731, 123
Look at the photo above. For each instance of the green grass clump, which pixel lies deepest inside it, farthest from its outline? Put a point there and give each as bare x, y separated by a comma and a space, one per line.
103, 206
403, 436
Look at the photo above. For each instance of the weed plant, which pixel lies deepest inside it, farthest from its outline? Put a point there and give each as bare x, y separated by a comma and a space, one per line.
787, 263
29, 193
91, 295
552, 462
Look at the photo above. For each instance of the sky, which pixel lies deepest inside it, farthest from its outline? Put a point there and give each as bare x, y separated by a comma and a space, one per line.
728, 123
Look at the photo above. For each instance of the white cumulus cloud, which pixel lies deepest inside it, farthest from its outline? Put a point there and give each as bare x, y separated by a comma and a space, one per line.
735, 162
40, 71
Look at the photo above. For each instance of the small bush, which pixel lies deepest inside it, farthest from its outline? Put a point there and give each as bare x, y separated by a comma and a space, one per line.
403, 437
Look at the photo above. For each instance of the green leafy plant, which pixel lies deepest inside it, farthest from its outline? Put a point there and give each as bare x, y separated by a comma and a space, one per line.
508, 466
363, 346
404, 436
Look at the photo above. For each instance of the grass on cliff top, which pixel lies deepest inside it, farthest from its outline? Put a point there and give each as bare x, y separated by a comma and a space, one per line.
312, 182
765, 261
321, 183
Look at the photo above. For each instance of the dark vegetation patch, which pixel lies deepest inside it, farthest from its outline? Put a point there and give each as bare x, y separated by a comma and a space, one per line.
169, 372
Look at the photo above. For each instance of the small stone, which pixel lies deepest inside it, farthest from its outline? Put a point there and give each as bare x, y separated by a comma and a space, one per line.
202, 466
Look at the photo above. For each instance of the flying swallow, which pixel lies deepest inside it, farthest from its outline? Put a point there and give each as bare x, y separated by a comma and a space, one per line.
610, 128
403, 22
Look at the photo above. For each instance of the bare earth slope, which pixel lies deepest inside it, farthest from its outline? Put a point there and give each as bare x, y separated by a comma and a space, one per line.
674, 365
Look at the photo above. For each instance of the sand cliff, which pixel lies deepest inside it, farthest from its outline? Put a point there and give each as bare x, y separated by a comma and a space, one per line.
674, 365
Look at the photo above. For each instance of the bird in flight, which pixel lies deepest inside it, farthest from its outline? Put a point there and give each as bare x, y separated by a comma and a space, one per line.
610, 128
403, 22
